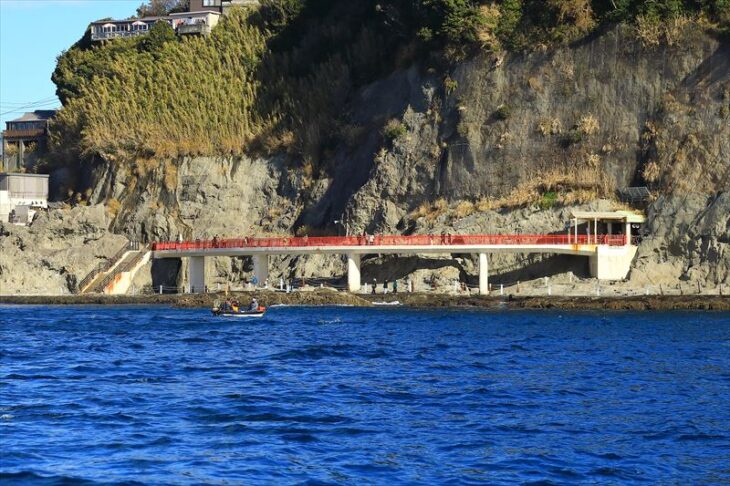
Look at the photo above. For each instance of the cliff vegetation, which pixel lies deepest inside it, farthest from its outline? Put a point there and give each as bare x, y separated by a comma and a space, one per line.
279, 78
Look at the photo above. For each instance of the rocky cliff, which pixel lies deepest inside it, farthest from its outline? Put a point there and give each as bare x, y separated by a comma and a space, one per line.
501, 143
56, 252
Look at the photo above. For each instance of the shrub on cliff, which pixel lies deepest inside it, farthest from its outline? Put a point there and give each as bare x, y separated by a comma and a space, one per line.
162, 95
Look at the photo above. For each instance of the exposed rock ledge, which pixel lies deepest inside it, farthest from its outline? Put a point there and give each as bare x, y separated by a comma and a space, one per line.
56, 252
415, 300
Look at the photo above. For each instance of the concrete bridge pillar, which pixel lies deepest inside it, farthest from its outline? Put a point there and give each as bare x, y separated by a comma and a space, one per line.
483, 274
353, 272
261, 269
196, 274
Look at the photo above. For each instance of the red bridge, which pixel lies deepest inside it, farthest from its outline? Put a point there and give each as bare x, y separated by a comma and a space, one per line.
406, 242
591, 234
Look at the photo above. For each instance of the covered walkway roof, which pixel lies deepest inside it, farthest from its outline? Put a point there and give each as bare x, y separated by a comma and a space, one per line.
626, 216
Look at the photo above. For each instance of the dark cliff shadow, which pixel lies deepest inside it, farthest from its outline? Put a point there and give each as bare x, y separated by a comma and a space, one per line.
353, 163
547, 267
712, 71
399, 267
165, 272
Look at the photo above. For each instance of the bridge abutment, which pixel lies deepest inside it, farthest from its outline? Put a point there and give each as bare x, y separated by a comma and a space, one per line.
353, 272
196, 274
612, 262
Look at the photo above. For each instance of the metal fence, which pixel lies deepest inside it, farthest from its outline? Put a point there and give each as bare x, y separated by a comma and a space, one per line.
546, 287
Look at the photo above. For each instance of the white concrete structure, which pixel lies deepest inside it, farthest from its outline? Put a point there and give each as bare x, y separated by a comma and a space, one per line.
195, 22
261, 268
353, 272
196, 279
612, 263
22, 194
483, 274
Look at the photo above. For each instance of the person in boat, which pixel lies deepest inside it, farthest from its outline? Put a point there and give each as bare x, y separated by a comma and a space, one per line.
235, 306
254, 305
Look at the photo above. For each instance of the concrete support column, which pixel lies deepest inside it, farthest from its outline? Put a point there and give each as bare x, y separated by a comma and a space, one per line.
628, 233
483, 274
196, 274
353, 272
595, 230
261, 269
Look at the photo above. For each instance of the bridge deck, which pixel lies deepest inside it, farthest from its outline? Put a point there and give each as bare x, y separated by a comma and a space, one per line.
563, 243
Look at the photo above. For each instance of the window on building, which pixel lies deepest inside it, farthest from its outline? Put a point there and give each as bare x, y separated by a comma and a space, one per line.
211, 3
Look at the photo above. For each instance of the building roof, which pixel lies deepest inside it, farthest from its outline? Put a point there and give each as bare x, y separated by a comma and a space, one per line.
627, 216
38, 115
129, 21
3, 175
196, 13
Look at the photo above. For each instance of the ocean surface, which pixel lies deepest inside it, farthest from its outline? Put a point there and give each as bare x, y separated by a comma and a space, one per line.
155, 395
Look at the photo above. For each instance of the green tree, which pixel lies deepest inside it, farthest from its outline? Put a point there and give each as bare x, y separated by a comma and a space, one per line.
159, 8
277, 14
160, 34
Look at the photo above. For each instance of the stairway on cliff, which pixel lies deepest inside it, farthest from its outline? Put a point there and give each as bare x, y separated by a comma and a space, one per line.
125, 260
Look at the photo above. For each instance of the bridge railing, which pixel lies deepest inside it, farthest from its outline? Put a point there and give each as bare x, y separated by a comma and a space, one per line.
391, 240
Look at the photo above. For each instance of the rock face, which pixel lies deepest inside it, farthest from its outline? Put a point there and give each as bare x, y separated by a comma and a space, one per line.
599, 115
57, 251
690, 240
594, 113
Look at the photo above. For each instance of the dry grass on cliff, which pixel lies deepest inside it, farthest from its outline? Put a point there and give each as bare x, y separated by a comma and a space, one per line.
545, 189
113, 206
431, 211
170, 179
576, 186
653, 32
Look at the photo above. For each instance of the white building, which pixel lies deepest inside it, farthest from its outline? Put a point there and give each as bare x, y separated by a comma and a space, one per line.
21, 196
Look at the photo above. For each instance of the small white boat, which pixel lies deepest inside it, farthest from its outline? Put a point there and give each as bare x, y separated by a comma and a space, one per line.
227, 310
239, 314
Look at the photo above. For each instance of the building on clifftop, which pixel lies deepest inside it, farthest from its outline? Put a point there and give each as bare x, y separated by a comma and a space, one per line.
184, 23
24, 138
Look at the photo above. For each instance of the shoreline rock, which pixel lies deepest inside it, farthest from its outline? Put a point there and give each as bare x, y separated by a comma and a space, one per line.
414, 300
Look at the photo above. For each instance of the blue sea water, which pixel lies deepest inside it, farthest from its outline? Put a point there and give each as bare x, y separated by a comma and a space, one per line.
156, 395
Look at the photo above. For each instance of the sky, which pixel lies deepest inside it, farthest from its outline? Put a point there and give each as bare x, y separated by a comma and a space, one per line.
32, 34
